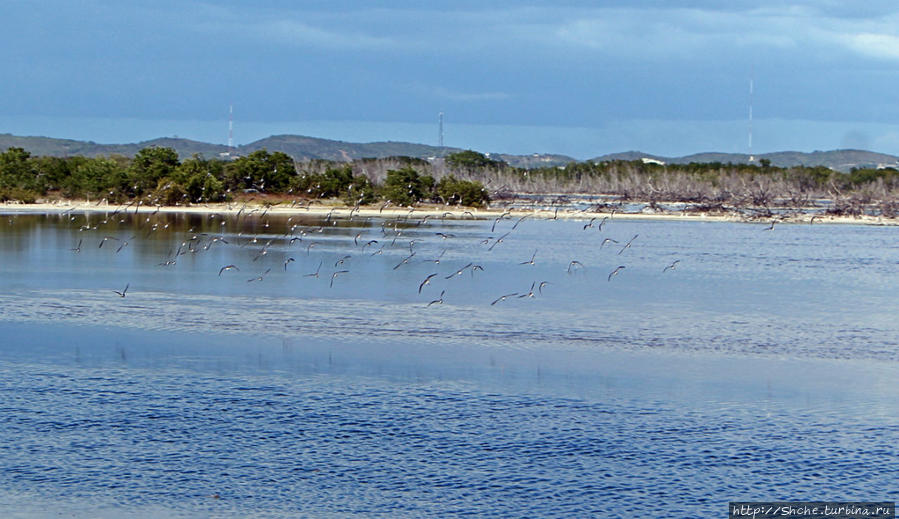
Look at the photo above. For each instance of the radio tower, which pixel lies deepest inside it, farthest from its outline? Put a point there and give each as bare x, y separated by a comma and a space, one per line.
440, 129
231, 130
751, 158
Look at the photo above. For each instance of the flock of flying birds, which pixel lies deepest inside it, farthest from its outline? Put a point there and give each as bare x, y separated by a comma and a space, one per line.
297, 236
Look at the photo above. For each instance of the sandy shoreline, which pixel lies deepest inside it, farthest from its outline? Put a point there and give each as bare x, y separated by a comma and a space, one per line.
431, 211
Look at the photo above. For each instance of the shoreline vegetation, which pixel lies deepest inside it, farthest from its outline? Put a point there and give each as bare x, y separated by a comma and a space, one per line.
461, 185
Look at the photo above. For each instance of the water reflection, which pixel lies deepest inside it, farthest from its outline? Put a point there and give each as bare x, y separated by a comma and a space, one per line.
737, 287
763, 365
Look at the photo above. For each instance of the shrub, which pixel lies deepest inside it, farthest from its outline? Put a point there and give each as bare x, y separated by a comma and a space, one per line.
471, 160
406, 187
462, 192
18, 194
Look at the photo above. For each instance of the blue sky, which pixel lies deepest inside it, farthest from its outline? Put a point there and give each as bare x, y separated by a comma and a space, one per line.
579, 78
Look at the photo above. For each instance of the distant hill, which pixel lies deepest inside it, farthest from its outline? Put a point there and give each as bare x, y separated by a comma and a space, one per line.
297, 146
839, 160
46, 146
301, 147
305, 148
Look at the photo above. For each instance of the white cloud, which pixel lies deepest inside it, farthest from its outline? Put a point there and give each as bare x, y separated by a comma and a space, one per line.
564, 32
874, 45
470, 96
679, 33
293, 28
443, 93
301, 34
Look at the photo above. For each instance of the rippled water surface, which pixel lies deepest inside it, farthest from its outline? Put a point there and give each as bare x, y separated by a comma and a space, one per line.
762, 366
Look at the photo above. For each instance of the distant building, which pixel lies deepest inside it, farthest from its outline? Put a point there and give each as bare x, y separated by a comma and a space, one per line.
648, 160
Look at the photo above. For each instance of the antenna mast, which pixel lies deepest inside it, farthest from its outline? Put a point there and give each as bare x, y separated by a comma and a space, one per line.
231, 129
440, 129
751, 80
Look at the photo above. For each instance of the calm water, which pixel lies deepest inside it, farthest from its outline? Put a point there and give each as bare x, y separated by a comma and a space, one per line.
762, 367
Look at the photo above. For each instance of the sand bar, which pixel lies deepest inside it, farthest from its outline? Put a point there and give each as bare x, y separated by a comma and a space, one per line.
433, 211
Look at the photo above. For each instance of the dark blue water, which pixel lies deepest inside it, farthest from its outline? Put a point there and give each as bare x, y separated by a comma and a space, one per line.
761, 367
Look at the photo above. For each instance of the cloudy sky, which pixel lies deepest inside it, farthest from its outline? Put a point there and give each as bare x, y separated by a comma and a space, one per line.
575, 77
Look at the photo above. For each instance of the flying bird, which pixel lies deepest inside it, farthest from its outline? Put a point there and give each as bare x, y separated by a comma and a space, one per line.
122, 293
122, 246
531, 262
228, 267
315, 274
493, 227
264, 251
628, 244
520, 220
607, 240
334, 275
427, 281
438, 301
599, 227
405, 260
574, 263
498, 240
530, 292
459, 272
614, 272
437, 259
503, 298
105, 238
260, 277
671, 267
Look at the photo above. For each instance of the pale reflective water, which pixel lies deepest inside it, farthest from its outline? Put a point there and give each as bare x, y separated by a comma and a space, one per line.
762, 366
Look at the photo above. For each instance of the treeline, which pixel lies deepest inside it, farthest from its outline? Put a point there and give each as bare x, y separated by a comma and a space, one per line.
716, 186
158, 176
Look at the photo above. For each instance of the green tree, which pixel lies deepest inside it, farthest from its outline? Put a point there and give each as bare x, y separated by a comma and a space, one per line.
359, 191
471, 160
151, 165
462, 192
169, 192
17, 171
262, 171
200, 179
99, 176
406, 187
53, 171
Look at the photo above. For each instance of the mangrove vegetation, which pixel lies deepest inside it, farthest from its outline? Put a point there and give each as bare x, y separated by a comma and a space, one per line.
157, 175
